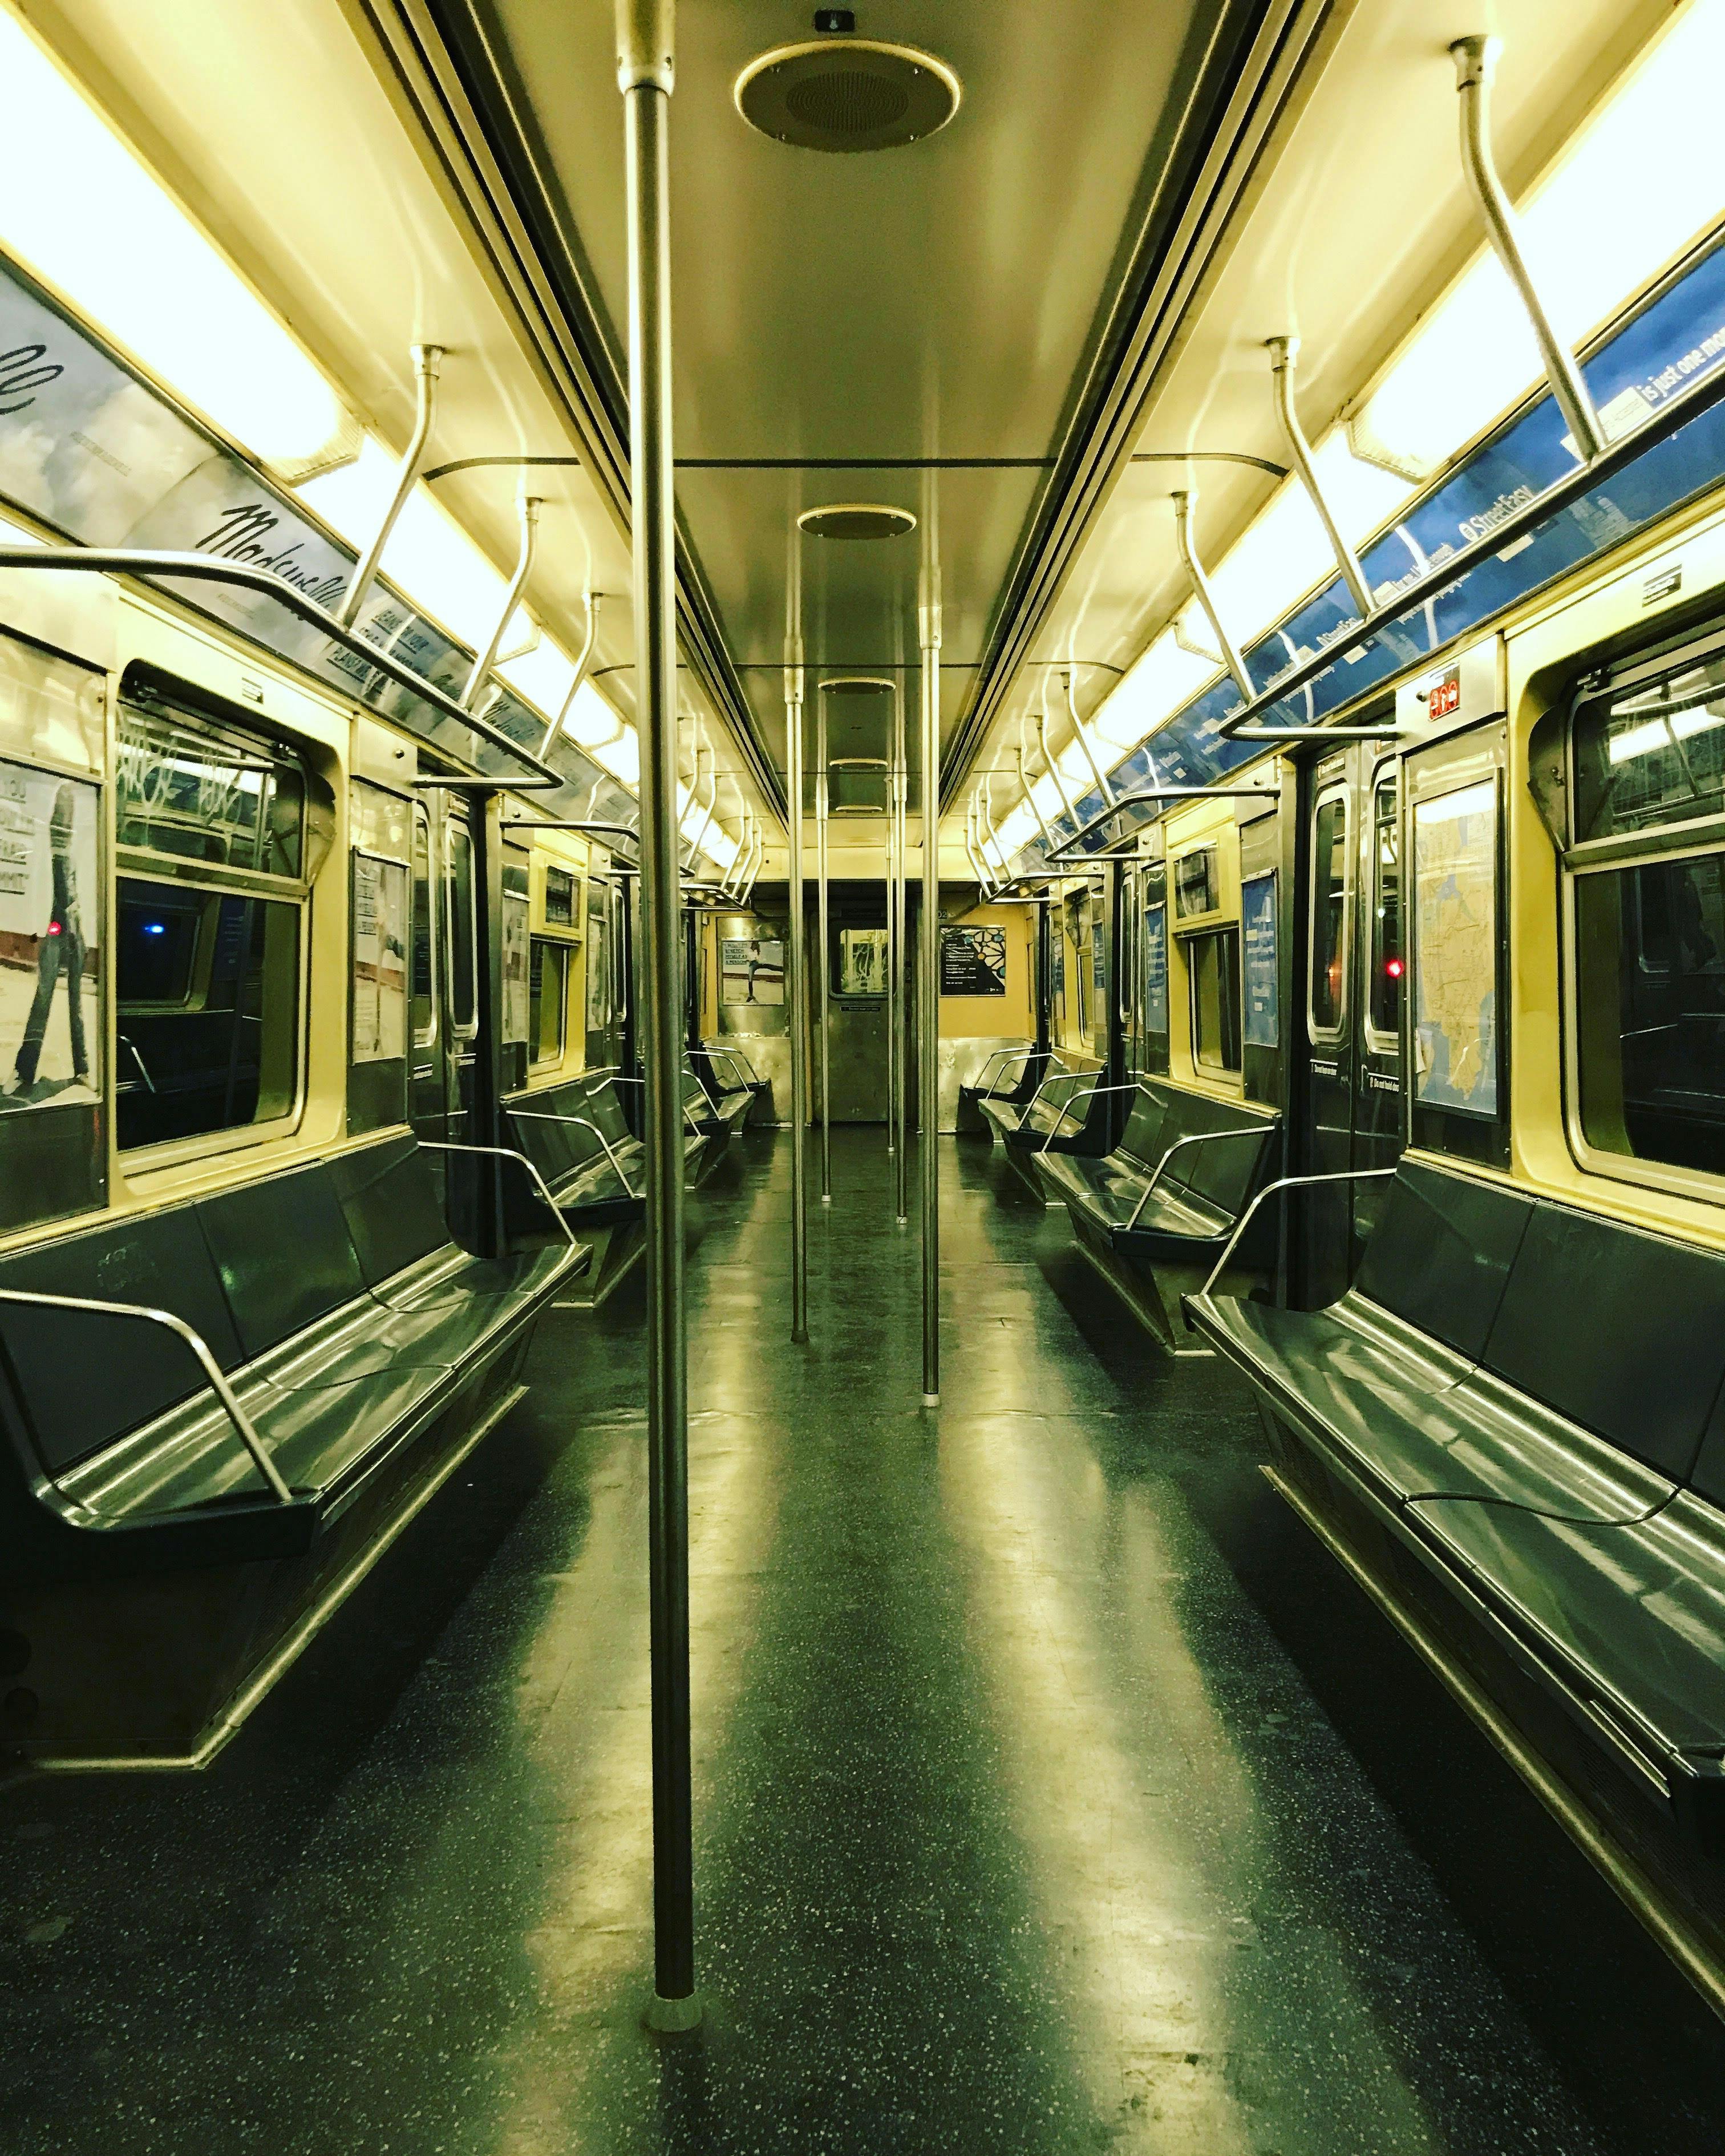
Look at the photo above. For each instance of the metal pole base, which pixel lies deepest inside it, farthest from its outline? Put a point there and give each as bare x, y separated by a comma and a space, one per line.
826, 1198
904, 1220
931, 1400
799, 1337
673, 2017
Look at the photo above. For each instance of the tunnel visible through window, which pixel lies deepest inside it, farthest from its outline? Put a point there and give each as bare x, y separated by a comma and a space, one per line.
1647, 759
1212, 967
1651, 1011
208, 989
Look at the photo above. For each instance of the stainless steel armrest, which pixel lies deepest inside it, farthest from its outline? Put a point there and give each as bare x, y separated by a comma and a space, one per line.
545, 1116
509, 1153
195, 1341
1196, 1137
1286, 1182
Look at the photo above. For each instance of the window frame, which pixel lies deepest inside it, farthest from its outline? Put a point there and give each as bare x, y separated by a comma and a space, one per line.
134, 864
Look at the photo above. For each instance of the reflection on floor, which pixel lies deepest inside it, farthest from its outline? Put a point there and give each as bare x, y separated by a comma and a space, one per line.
1056, 1793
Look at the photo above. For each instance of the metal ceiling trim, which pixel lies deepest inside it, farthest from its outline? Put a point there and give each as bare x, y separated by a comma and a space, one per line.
452, 83
1248, 91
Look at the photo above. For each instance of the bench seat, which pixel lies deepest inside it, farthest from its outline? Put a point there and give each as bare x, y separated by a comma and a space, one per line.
1044, 1120
118, 1452
1155, 1213
725, 1071
1528, 1399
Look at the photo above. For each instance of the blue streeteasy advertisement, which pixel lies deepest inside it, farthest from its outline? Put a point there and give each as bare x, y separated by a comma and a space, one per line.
1156, 968
1257, 930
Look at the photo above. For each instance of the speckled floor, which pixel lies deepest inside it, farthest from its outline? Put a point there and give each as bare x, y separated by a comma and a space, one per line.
1056, 1792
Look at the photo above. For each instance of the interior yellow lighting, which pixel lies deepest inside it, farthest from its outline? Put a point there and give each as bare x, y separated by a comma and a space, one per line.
1635, 185
543, 676
621, 756
85, 215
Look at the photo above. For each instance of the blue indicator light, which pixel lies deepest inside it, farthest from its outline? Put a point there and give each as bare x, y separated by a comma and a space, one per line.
154, 928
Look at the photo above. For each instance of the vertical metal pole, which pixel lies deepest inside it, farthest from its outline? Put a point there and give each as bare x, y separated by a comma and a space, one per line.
901, 1028
1044, 973
929, 1065
889, 862
645, 73
796, 984
825, 959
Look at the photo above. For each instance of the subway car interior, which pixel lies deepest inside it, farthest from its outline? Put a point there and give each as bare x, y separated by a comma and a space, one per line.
862, 1077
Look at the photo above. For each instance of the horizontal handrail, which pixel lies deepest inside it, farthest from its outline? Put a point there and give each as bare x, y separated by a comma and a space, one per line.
1141, 794
1286, 1182
1195, 1137
195, 1341
203, 568
584, 1122
1089, 1093
508, 1152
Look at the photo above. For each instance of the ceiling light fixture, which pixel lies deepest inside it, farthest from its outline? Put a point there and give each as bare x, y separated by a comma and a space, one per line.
856, 520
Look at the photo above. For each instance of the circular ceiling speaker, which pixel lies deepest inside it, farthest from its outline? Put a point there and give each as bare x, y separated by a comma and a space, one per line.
856, 520
856, 685
847, 93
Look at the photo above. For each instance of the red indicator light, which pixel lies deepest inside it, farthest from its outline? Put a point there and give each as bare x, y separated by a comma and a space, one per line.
1393, 968
53, 928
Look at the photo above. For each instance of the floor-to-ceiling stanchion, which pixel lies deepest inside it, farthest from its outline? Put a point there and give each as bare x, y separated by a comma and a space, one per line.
902, 1017
796, 982
892, 944
645, 72
928, 617
825, 959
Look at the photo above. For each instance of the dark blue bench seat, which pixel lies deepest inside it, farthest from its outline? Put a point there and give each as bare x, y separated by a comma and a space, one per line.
1156, 1212
1528, 1398
365, 1348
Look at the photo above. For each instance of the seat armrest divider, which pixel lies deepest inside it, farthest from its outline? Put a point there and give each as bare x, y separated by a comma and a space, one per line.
195, 1341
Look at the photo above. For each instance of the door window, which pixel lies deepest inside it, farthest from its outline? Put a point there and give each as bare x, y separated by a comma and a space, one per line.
1385, 1014
459, 889
1329, 916
1213, 966
424, 968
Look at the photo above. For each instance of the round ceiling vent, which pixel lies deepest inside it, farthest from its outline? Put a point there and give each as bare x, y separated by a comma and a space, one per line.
847, 93
856, 685
856, 520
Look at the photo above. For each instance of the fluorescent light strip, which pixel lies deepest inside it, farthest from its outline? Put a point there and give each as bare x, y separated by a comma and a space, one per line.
78, 206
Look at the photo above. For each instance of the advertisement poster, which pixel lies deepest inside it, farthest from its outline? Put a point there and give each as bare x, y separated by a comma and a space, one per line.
1456, 950
514, 928
1257, 921
752, 970
862, 961
50, 1012
1156, 968
380, 959
972, 962
1098, 960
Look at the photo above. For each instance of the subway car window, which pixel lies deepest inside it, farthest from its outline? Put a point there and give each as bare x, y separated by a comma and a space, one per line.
208, 815
548, 999
1651, 1020
1213, 965
189, 787
424, 982
208, 987
1329, 913
1386, 1001
1653, 754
